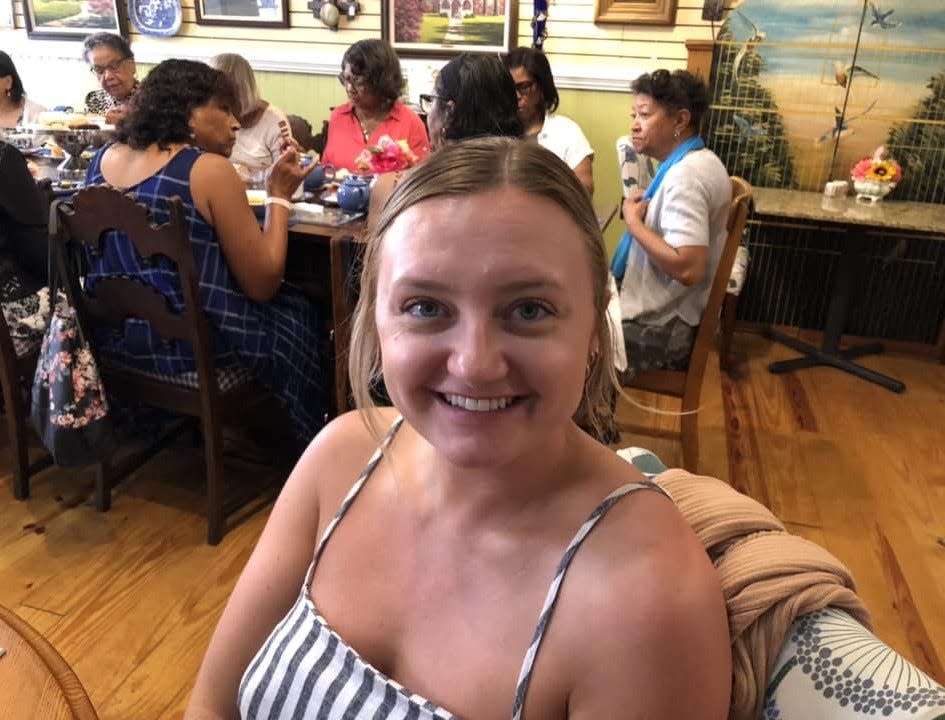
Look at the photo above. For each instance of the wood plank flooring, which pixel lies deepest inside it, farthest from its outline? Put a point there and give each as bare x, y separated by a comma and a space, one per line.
130, 597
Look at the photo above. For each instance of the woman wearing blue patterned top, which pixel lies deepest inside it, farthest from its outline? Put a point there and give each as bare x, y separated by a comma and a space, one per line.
259, 322
485, 558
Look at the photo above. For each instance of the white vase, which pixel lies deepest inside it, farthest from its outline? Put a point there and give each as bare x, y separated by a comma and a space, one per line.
871, 191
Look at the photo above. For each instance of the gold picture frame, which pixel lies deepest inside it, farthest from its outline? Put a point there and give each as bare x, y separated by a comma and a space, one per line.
636, 12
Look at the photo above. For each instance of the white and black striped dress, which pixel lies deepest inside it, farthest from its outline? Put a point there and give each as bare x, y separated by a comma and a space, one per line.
305, 670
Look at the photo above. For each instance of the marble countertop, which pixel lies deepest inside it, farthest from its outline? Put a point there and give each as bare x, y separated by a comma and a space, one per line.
889, 213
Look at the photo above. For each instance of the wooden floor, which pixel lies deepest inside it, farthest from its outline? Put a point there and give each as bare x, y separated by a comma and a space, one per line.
130, 597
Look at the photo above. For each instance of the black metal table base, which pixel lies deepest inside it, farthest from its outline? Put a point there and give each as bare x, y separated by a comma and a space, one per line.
841, 359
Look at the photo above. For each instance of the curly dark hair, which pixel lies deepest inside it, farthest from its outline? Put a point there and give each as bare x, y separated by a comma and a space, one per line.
536, 64
376, 62
8, 68
483, 96
676, 90
160, 111
106, 39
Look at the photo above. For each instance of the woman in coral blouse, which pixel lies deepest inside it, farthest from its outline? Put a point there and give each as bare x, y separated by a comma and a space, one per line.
370, 74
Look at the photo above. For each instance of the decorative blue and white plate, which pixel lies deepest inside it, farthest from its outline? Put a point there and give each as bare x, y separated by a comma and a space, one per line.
155, 17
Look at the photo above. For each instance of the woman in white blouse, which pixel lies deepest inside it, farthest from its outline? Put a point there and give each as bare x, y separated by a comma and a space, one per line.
264, 131
15, 108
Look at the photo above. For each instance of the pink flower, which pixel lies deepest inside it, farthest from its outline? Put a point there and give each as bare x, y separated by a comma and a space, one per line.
387, 156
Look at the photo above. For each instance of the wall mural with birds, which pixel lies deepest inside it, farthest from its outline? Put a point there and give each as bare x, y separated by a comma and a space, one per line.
803, 89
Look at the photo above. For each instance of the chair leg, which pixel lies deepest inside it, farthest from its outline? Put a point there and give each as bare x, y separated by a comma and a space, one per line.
689, 427
21, 460
103, 485
726, 328
213, 459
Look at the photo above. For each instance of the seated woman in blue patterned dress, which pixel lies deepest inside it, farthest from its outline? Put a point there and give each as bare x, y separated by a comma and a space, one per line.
259, 322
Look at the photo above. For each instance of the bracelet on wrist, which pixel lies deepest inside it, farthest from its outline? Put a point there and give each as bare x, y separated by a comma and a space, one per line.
271, 200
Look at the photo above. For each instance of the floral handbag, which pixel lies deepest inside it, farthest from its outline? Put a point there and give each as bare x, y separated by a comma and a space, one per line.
69, 407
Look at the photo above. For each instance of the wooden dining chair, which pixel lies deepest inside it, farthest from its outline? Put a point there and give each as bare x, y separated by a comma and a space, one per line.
687, 384
216, 396
35, 680
17, 367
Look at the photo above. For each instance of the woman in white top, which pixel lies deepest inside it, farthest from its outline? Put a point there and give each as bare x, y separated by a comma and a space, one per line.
15, 108
537, 103
264, 129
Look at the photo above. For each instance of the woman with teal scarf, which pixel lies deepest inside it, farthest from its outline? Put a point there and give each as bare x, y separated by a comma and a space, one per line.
676, 228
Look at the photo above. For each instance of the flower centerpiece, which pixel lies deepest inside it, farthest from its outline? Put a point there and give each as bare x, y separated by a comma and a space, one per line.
387, 156
875, 177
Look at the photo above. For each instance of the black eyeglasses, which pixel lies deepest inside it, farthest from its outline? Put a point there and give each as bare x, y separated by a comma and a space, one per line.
523, 87
100, 70
355, 81
426, 101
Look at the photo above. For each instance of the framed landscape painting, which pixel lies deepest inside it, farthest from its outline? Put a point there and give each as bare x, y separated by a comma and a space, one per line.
636, 12
442, 28
247, 13
73, 19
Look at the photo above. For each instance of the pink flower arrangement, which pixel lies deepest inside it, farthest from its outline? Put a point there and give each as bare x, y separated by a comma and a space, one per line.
877, 168
387, 156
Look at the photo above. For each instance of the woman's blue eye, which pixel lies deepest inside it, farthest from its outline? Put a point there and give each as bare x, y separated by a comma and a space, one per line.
423, 309
531, 311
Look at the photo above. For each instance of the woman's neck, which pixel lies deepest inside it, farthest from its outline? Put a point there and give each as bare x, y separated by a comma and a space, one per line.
10, 110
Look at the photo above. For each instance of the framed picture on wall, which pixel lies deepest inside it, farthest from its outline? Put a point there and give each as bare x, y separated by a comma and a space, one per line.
636, 12
58, 20
250, 13
441, 28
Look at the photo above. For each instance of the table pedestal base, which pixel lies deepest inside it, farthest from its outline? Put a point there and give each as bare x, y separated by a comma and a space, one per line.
842, 360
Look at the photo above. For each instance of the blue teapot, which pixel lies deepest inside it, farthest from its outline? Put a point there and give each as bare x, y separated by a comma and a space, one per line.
320, 175
354, 194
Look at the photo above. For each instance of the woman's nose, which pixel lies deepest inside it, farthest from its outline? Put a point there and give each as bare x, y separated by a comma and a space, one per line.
478, 354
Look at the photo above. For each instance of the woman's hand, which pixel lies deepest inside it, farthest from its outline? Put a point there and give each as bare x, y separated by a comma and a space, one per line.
286, 174
634, 211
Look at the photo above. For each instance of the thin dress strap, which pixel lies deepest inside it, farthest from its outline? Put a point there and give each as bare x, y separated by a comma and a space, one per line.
525, 675
350, 497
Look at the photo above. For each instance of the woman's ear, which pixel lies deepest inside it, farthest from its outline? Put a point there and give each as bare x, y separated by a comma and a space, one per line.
684, 119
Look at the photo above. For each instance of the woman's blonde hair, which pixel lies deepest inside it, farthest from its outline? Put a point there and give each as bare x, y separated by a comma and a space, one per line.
474, 166
240, 73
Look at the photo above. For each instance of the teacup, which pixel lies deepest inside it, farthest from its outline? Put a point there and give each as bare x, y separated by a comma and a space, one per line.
319, 176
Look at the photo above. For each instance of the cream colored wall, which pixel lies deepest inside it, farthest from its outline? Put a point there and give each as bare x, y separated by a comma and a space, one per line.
593, 64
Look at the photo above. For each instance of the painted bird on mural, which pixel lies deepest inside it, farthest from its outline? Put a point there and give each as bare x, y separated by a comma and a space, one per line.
746, 129
844, 75
881, 18
757, 35
841, 125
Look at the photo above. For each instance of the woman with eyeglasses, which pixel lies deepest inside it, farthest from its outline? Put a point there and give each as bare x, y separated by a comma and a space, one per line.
264, 129
537, 103
15, 108
473, 96
174, 141
371, 76
113, 64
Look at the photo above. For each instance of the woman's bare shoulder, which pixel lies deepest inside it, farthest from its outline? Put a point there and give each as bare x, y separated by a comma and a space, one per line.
659, 615
346, 444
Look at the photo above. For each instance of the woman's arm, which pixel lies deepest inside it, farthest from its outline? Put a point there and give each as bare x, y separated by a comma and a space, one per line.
686, 264
273, 576
256, 257
585, 173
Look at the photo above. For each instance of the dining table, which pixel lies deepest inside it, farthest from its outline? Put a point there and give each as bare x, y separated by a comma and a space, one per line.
850, 218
